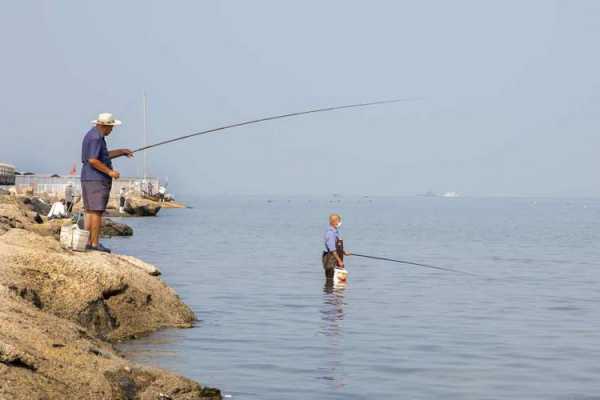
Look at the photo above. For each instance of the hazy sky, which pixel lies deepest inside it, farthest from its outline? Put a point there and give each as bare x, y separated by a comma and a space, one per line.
511, 92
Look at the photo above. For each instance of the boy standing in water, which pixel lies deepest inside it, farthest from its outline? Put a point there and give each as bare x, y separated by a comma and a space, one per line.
333, 256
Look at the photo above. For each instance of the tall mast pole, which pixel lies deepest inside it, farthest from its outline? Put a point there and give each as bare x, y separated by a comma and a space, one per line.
145, 133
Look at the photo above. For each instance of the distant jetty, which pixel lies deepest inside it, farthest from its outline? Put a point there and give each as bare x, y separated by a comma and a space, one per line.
54, 185
142, 194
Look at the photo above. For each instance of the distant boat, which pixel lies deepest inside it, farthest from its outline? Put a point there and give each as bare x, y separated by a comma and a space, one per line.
451, 194
429, 193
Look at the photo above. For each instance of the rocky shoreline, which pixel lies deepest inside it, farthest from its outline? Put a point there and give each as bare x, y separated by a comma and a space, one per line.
61, 310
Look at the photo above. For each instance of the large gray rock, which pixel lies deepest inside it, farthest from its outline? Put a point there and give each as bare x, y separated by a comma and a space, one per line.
76, 286
111, 228
46, 357
36, 205
141, 207
57, 310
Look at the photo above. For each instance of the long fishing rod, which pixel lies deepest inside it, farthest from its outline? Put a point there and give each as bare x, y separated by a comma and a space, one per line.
256, 121
413, 263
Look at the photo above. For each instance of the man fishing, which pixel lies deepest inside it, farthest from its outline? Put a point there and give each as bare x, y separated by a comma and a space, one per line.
333, 256
97, 174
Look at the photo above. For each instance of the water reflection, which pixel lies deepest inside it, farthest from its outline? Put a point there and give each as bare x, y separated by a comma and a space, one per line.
332, 311
332, 316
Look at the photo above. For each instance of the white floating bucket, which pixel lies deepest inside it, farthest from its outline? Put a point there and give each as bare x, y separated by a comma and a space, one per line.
340, 275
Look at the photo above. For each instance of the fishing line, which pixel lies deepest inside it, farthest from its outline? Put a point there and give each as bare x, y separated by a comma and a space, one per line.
256, 121
413, 263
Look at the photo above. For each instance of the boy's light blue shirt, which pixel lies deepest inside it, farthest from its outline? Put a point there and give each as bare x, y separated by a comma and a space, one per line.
331, 237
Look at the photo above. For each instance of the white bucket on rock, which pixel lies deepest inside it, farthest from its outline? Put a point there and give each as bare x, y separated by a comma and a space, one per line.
73, 238
66, 236
80, 239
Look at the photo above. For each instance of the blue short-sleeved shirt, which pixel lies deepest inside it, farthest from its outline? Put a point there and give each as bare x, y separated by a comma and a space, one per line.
94, 146
331, 237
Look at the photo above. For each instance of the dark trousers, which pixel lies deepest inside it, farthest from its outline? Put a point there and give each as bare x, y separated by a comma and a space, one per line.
329, 272
329, 264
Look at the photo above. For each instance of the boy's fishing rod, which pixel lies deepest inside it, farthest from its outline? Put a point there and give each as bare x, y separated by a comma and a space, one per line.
256, 121
413, 263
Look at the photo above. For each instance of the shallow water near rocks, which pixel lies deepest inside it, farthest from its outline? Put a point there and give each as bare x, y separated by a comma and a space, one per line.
529, 328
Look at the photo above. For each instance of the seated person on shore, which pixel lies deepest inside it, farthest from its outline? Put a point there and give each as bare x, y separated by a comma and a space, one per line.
58, 210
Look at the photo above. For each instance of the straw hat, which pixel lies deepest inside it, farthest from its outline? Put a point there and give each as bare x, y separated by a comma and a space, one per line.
106, 119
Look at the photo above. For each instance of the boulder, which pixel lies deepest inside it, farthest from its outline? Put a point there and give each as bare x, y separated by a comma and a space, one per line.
46, 357
111, 228
141, 207
148, 268
115, 297
36, 205
59, 309
16, 216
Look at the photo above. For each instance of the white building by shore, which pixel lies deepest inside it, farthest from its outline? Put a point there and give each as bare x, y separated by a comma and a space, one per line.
7, 174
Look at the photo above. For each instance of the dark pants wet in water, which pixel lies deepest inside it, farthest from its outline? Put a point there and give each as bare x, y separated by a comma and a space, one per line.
329, 264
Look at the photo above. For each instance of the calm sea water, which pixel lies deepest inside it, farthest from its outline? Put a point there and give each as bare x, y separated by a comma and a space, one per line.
529, 328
